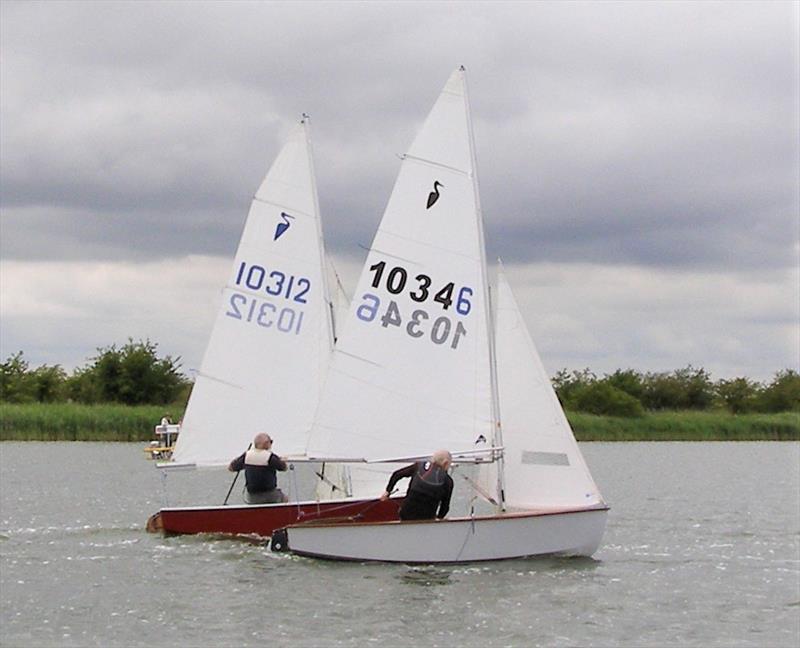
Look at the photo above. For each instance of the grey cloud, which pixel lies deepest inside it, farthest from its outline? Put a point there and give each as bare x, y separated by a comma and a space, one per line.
655, 134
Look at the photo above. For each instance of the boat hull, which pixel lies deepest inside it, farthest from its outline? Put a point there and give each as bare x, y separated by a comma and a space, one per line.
263, 519
458, 540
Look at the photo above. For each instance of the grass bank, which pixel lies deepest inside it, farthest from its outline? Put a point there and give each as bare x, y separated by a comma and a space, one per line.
72, 422
688, 426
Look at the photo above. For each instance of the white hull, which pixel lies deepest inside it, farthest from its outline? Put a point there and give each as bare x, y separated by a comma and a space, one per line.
458, 540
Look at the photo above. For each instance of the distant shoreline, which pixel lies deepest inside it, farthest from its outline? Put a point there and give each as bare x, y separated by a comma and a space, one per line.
75, 422
687, 426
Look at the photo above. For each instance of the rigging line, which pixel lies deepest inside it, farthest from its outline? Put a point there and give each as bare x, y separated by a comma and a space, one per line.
349, 505
355, 357
339, 280
283, 207
324, 479
387, 254
478, 489
433, 163
201, 374
424, 244
375, 503
470, 531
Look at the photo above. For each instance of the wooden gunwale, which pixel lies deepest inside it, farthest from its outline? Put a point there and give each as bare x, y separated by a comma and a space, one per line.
331, 522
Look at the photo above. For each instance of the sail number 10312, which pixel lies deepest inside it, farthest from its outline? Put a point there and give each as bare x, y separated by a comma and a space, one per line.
441, 330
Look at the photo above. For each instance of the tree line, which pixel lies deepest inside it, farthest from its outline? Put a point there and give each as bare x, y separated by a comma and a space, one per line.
134, 374
631, 393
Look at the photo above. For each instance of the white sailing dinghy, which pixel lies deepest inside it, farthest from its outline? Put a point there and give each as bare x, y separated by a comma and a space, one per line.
423, 364
268, 354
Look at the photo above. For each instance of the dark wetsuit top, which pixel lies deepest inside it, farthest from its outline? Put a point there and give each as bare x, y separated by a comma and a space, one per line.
259, 472
430, 488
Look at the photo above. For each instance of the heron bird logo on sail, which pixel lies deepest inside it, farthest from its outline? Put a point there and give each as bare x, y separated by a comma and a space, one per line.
433, 196
283, 226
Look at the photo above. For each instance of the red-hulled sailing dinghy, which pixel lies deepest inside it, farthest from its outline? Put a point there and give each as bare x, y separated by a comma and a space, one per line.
267, 358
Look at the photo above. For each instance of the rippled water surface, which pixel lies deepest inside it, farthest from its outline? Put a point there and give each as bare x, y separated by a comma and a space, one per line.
702, 549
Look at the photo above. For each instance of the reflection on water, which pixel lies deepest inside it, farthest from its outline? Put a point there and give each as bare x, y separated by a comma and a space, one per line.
425, 576
702, 549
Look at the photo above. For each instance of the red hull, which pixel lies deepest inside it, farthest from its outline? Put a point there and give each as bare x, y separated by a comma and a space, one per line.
263, 519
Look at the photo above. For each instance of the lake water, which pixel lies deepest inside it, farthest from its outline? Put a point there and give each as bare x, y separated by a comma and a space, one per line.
702, 549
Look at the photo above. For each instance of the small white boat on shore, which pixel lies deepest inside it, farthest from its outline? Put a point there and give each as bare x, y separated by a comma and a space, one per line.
164, 444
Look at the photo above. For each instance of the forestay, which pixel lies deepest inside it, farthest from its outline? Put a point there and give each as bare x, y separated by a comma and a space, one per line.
544, 468
411, 370
272, 339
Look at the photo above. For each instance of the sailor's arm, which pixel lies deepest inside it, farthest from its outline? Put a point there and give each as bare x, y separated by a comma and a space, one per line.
397, 475
278, 463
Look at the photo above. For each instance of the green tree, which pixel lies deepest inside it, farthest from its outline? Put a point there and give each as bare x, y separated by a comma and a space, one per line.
629, 381
567, 385
82, 387
782, 394
662, 391
107, 373
604, 399
133, 375
699, 388
20, 384
16, 385
49, 383
687, 388
738, 394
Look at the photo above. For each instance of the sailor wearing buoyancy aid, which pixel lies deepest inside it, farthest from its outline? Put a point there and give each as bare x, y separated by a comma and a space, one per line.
260, 465
430, 489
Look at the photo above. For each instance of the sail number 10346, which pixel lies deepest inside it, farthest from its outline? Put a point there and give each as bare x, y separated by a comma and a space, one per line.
420, 287
441, 330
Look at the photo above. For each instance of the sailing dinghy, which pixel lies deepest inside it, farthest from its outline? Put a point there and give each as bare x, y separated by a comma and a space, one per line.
267, 356
425, 363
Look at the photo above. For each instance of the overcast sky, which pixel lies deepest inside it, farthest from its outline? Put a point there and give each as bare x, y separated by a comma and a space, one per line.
638, 164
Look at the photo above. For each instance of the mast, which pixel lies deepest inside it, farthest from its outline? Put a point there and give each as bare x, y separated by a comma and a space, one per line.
326, 294
497, 431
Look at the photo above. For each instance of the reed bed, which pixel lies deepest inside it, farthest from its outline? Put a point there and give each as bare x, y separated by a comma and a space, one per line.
74, 422
688, 426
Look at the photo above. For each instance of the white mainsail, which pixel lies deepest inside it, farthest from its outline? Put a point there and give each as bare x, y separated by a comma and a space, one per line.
272, 339
543, 466
411, 371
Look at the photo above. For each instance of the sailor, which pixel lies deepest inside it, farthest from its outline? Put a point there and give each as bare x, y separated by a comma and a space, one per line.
260, 465
428, 495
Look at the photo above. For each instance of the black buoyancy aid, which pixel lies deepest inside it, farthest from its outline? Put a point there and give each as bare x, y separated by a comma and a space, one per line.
429, 479
259, 475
